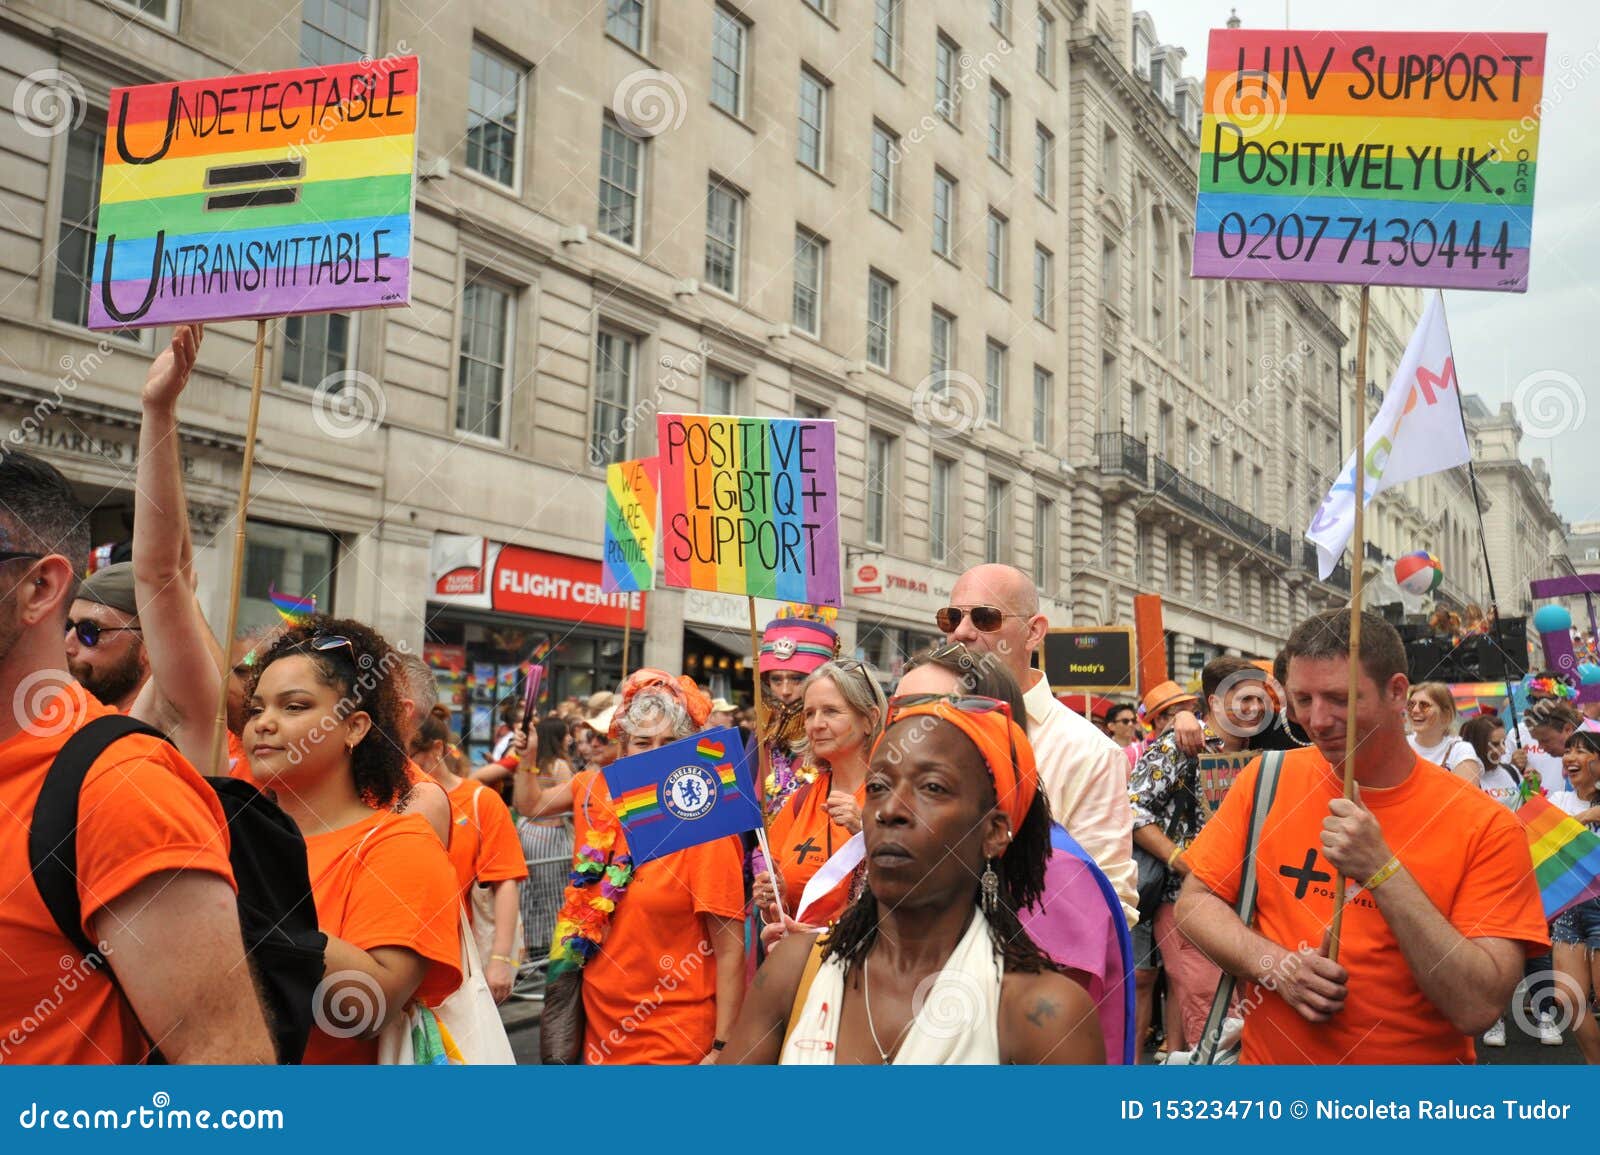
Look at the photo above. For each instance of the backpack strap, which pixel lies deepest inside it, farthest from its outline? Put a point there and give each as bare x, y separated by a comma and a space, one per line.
1245, 905
807, 977
53, 835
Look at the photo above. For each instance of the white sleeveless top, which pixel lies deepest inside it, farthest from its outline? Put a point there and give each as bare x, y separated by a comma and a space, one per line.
957, 1023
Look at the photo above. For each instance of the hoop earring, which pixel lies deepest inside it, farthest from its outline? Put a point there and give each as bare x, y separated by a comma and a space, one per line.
989, 884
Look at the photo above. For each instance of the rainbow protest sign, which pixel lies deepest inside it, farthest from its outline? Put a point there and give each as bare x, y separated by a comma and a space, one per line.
257, 196
1369, 158
750, 505
629, 560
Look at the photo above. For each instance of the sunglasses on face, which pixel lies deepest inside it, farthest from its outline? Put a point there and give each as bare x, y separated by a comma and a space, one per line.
89, 632
985, 619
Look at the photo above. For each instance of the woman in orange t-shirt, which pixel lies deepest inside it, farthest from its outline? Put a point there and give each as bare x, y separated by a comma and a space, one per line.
483, 848
665, 983
321, 731
844, 709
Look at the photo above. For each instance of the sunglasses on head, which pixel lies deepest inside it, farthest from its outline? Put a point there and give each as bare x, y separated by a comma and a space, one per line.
89, 632
18, 555
986, 619
967, 704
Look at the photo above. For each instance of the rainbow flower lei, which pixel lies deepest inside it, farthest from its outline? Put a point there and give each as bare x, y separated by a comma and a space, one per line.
596, 883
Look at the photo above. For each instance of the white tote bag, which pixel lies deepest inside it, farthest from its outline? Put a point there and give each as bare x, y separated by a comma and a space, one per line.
469, 1015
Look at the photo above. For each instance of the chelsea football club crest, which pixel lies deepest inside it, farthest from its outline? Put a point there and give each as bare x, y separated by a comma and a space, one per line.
689, 792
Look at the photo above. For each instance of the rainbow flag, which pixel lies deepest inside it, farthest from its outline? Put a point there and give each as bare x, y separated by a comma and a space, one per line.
629, 556
1369, 158
293, 610
750, 505
1566, 855
257, 196
694, 790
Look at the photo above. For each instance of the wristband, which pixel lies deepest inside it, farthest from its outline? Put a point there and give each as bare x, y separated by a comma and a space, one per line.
718, 1044
1387, 871
1173, 857
510, 962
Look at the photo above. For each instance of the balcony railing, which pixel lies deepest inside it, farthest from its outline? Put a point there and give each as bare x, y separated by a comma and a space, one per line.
1122, 453
1215, 508
1308, 561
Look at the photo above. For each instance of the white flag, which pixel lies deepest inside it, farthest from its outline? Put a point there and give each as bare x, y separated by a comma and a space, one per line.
1418, 431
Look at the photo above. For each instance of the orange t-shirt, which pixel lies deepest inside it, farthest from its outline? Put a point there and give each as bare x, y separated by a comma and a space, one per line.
1466, 851
484, 846
803, 837
650, 993
143, 809
386, 881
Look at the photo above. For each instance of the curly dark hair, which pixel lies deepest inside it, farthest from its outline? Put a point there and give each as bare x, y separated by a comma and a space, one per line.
365, 675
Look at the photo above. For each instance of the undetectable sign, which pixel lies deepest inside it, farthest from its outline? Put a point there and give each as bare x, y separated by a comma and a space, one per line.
750, 506
257, 196
1379, 158
1098, 661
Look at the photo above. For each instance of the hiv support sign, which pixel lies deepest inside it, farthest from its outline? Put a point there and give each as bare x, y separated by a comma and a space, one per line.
1369, 158
750, 506
629, 561
257, 196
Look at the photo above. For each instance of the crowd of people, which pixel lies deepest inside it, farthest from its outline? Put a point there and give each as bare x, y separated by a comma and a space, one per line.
918, 836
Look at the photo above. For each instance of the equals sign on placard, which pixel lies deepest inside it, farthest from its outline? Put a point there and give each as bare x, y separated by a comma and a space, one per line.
257, 172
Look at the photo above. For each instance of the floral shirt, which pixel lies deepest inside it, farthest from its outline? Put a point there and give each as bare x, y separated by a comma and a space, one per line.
1165, 792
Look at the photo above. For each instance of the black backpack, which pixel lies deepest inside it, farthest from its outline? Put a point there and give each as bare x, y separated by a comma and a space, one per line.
277, 915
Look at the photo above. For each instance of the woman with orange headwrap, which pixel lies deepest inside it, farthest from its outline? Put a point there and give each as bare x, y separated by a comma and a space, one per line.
931, 964
660, 947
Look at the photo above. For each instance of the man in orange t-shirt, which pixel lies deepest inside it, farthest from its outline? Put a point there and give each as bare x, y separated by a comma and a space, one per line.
154, 883
1442, 907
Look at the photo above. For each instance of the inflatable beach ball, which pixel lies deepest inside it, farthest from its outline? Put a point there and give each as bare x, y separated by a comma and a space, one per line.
1418, 573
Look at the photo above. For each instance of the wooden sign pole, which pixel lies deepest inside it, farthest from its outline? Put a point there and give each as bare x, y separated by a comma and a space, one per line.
761, 702
219, 741
1357, 552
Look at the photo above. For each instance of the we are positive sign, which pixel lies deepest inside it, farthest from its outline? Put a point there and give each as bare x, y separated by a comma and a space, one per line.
1381, 158
257, 196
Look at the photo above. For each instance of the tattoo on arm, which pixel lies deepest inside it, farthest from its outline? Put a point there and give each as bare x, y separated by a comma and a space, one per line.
1042, 1010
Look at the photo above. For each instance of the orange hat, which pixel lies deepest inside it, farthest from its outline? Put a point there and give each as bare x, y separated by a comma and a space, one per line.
1002, 743
1164, 696
682, 689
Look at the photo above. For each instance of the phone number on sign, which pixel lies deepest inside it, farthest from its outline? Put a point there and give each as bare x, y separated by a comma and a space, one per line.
1422, 243
1202, 1109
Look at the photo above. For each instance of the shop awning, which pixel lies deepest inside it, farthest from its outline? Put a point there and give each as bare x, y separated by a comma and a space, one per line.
735, 643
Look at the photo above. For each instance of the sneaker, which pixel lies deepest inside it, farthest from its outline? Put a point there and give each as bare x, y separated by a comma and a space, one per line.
1549, 1033
1495, 1036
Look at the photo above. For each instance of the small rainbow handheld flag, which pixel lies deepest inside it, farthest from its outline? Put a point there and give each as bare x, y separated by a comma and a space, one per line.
293, 610
693, 791
1566, 855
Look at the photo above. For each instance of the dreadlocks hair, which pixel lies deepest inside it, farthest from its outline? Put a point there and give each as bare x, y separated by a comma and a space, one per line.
1021, 870
367, 681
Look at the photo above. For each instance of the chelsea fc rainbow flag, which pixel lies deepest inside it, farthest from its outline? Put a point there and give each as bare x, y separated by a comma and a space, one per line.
681, 795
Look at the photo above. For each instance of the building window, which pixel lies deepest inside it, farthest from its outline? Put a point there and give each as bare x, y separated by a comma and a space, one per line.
494, 109
625, 22
811, 139
1044, 50
158, 10
1175, 576
997, 500
1110, 271
1044, 386
621, 158
944, 212
280, 559
727, 61
80, 215
946, 81
818, 6
1255, 491
316, 347
880, 460
808, 260
724, 216
721, 392
880, 320
999, 124
886, 33
806, 410
941, 489
1000, 16
1044, 276
994, 380
1110, 167
485, 341
941, 346
615, 356
1044, 544
885, 160
1044, 162
334, 31
995, 270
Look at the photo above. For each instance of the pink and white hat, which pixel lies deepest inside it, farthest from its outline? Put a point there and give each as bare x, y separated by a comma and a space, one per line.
796, 644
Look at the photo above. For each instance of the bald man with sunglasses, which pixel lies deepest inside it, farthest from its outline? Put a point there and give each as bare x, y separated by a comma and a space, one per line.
995, 609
